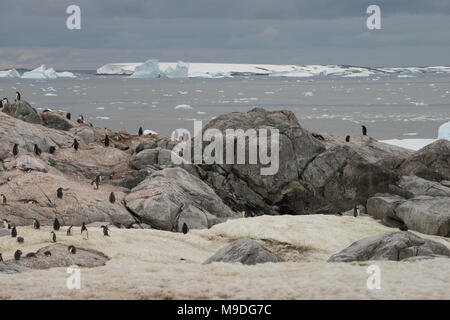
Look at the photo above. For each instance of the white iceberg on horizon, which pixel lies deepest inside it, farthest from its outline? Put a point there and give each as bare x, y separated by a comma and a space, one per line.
181, 70
43, 73
9, 74
149, 70
444, 131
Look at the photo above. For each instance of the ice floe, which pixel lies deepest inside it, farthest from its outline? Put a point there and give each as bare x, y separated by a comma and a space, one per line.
43, 73
9, 74
183, 106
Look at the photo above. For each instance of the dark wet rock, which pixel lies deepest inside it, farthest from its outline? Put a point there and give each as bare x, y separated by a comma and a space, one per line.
24, 111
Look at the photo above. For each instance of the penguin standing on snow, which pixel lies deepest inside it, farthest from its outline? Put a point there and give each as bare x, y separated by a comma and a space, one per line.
84, 231
105, 231
75, 144
6, 224
364, 130
17, 255
52, 236
15, 149
37, 150
14, 232
141, 131
112, 197
59, 193
20, 239
36, 224
69, 231
56, 224
185, 228
3, 199
356, 211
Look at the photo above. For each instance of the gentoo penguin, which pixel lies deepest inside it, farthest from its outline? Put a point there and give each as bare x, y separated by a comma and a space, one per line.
37, 150
72, 249
364, 130
69, 231
31, 255
15, 149
17, 255
1, 258
106, 141
14, 232
347, 139
94, 184
52, 236
47, 253
403, 227
3, 199
36, 225
141, 131
356, 211
112, 197
17, 96
80, 119
68, 115
185, 228
56, 224
105, 231
98, 180
59, 193
51, 150
20, 239
84, 231
5, 102
6, 224
75, 144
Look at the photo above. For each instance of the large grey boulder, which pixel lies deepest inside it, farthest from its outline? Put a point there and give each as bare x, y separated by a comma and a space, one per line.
170, 197
23, 111
245, 251
413, 186
11, 268
57, 121
395, 246
144, 158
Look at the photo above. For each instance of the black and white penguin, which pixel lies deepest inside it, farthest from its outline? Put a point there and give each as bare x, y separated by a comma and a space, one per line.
185, 228
14, 232
112, 197
75, 144
20, 239
98, 179
37, 150
15, 149
71, 249
141, 131
69, 231
56, 224
84, 231
68, 116
47, 253
94, 184
364, 130
80, 119
6, 224
51, 150
31, 255
17, 255
59, 193
403, 227
105, 231
36, 224
356, 211
52, 236
17, 96
347, 139
106, 141
5, 102
3, 199
1, 258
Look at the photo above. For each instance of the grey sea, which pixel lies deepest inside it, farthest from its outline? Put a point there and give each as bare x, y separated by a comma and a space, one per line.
390, 106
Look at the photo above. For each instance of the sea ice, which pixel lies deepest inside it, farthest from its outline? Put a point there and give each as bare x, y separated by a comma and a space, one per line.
180, 71
183, 106
10, 74
444, 131
149, 69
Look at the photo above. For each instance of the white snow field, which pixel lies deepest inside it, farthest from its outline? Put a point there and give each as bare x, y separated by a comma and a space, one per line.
146, 264
219, 70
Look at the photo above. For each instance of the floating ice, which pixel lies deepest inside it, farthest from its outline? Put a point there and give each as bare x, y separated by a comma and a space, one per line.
149, 132
308, 94
183, 106
180, 71
149, 69
51, 95
444, 131
103, 118
43, 73
10, 74
65, 74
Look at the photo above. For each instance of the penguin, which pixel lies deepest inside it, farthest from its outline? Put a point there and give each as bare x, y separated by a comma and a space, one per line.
15, 149
356, 211
5, 102
94, 184
1, 258
80, 119
36, 224
47, 253
141, 131
20, 239
31, 255
17, 255
75, 144
14, 232
51, 150
339, 214
6, 224
56, 224
347, 139
98, 179
106, 141
52, 236
69, 231
59, 193
185, 228
72, 249
68, 116
37, 150
17, 96
3, 199
105, 231
84, 231
243, 214
403, 227
364, 130
112, 197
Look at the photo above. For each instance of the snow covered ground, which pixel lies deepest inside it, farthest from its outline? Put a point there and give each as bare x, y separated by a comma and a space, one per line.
146, 264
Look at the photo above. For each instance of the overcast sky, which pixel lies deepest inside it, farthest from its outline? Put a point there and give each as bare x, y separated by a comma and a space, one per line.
414, 32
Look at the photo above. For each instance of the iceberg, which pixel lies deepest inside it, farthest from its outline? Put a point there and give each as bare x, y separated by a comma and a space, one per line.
181, 70
183, 106
9, 74
444, 131
149, 70
43, 73
65, 74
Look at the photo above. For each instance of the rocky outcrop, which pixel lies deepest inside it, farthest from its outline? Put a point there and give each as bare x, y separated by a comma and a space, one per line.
56, 120
395, 246
245, 251
23, 111
170, 197
11, 268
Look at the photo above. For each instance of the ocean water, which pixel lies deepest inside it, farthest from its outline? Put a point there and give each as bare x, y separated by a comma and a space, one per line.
389, 106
